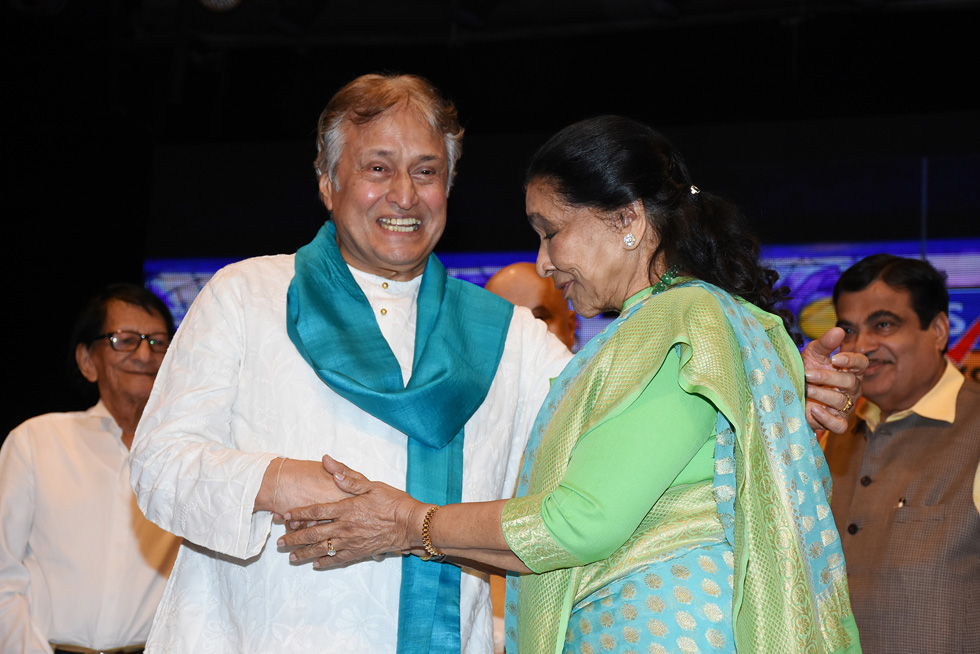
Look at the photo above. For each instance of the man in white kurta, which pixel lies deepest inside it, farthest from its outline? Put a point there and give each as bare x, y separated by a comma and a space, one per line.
234, 394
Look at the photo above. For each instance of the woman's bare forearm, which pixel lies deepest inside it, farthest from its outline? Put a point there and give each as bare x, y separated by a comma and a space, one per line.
472, 532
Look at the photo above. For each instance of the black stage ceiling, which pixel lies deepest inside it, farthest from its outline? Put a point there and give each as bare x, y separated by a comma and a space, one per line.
162, 128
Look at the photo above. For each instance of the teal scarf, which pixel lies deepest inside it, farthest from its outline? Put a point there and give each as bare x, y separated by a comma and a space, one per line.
459, 338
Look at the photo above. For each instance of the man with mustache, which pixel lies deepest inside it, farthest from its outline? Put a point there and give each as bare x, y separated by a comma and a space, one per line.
903, 472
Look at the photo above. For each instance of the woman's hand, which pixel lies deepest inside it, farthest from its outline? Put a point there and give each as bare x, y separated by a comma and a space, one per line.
833, 381
376, 520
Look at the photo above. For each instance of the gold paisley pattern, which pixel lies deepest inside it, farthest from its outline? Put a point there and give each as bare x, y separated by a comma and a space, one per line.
707, 564
683, 595
711, 588
713, 612
715, 638
678, 619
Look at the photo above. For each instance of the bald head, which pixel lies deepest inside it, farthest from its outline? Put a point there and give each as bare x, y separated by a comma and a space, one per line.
519, 284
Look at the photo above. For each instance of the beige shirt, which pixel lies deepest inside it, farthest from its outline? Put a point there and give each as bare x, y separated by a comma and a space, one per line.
976, 489
938, 404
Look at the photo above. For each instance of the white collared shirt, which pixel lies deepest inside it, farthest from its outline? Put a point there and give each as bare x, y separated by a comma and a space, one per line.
79, 564
394, 305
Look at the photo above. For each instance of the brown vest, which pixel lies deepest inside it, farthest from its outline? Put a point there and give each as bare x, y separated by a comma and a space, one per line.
903, 503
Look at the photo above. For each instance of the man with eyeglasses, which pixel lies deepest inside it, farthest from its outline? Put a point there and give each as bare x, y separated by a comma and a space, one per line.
81, 569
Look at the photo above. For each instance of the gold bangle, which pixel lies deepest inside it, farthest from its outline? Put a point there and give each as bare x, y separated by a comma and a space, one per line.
430, 550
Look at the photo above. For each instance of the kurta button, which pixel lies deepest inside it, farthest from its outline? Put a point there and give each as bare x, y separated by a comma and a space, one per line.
384, 285
865, 480
384, 312
852, 528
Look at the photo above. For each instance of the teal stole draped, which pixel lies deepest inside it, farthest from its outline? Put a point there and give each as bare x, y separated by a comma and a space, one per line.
459, 338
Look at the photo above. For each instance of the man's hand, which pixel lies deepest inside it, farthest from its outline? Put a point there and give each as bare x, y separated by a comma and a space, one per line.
833, 381
289, 483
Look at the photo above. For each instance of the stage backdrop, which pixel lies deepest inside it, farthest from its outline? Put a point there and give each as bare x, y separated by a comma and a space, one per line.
810, 270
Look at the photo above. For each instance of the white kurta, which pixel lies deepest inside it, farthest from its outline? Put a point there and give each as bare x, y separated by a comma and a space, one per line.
79, 564
232, 394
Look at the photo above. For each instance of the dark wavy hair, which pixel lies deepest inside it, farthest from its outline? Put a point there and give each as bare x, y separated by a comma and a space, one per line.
91, 322
609, 162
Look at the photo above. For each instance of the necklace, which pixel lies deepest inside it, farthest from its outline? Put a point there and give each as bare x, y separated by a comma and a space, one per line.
669, 277
666, 280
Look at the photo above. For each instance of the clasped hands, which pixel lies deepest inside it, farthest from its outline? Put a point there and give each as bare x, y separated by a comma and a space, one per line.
373, 520
365, 519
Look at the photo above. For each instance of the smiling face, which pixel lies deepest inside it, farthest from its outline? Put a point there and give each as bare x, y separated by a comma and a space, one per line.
905, 360
582, 250
389, 199
123, 378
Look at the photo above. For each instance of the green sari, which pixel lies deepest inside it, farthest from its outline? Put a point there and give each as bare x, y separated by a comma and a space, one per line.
768, 498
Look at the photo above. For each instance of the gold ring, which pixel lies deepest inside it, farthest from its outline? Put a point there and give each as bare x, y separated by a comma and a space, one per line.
847, 405
330, 550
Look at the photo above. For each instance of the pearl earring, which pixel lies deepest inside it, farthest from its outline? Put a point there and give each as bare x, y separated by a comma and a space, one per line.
629, 240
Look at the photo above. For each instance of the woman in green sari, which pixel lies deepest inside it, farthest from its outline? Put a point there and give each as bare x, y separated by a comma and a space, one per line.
673, 497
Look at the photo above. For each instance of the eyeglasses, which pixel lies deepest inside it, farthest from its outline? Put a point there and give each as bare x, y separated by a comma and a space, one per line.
125, 341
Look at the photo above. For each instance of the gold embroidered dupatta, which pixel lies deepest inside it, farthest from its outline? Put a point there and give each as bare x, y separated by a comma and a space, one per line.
774, 608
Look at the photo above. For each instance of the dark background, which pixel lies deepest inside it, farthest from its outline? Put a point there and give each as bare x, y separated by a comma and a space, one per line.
160, 128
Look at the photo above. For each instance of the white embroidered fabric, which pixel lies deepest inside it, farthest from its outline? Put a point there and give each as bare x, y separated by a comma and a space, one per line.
232, 394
